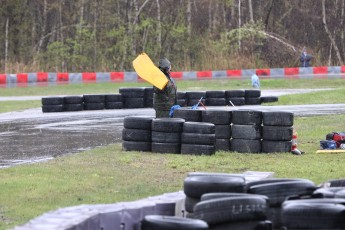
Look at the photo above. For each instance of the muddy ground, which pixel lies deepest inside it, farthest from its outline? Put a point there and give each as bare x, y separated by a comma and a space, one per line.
30, 136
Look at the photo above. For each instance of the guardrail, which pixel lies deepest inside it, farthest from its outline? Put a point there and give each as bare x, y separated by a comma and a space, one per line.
48, 78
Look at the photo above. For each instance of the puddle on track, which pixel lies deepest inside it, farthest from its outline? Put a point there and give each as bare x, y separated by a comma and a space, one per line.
31, 140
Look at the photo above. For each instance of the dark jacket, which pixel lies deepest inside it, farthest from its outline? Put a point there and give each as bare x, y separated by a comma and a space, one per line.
305, 60
164, 99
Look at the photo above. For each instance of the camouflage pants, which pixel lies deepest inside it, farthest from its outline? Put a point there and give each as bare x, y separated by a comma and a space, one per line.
162, 113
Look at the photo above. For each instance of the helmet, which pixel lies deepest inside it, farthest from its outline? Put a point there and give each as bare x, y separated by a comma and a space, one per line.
164, 64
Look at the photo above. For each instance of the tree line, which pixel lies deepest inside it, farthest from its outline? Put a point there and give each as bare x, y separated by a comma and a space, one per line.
107, 35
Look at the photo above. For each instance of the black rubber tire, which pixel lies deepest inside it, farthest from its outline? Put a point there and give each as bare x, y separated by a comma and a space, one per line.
188, 114
169, 125
52, 108
336, 183
157, 222
181, 95
158, 147
196, 186
94, 98
192, 102
135, 92
190, 202
116, 97
94, 106
140, 146
214, 174
217, 117
52, 100
148, 102
231, 209
199, 127
136, 135
252, 93
222, 145
138, 122
273, 180
252, 101
133, 102
246, 117
113, 105
198, 139
327, 192
197, 149
215, 101
215, 94
223, 131
278, 118
274, 215
164, 137
251, 132
148, 92
340, 194
245, 146
181, 102
278, 192
234, 93
73, 99
244, 225
276, 146
314, 216
73, 107
217, 195
195, 95
237, 101
269, 99
277, 133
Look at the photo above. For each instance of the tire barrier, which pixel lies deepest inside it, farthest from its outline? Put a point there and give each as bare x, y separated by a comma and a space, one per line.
142, 97
251, 201
206, 131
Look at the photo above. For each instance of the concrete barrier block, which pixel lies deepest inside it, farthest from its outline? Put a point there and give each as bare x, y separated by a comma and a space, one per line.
247, 73
334, 69
75, 78
219, 74
102, 77
52, 78
306, 70
189, 75
277, 73
130, 76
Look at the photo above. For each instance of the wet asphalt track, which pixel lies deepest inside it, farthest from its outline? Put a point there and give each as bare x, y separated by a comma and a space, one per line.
32, 136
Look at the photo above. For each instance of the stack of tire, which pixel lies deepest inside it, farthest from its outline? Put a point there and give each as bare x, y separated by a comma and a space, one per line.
94, 101
277, 131
166, 135
198, 138
246, 131
235, 97
193, 97
219, 198
160, 222
148, 97
133, 97
113, 101
215, 98
52, 104
136, 134
269, 99
252, 97
278, 190
222, 121
181, 99
73, 103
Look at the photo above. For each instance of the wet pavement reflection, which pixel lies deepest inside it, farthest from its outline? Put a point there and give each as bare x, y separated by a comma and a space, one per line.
38, 137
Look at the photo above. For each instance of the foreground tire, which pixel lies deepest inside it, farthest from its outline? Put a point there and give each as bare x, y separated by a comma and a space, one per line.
246, 117
140, 146
197, 149
277, 133
230, 209
199, 127
276, 146
245, 146
169, 125
166, 147
52, 108
217, 117
52, 100
251, 132
278, 118
188, 114
136, 135
138, 122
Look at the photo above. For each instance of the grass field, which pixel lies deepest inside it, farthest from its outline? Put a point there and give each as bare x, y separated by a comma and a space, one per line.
109, 175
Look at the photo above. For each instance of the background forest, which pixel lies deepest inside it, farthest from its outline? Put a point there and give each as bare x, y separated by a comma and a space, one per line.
106, 35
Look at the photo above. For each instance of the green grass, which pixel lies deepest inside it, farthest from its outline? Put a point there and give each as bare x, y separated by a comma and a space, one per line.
110, 175
9, 106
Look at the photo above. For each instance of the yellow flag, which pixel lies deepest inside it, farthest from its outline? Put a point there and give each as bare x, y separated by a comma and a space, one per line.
145, 69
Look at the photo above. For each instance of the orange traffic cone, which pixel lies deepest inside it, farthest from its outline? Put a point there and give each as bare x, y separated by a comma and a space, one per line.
294, 149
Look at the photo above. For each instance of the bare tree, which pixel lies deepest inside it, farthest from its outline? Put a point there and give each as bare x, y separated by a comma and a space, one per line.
330, 36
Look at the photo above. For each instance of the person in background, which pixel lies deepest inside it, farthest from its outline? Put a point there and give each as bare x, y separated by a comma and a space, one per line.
305, 58
164, 99
255, 81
